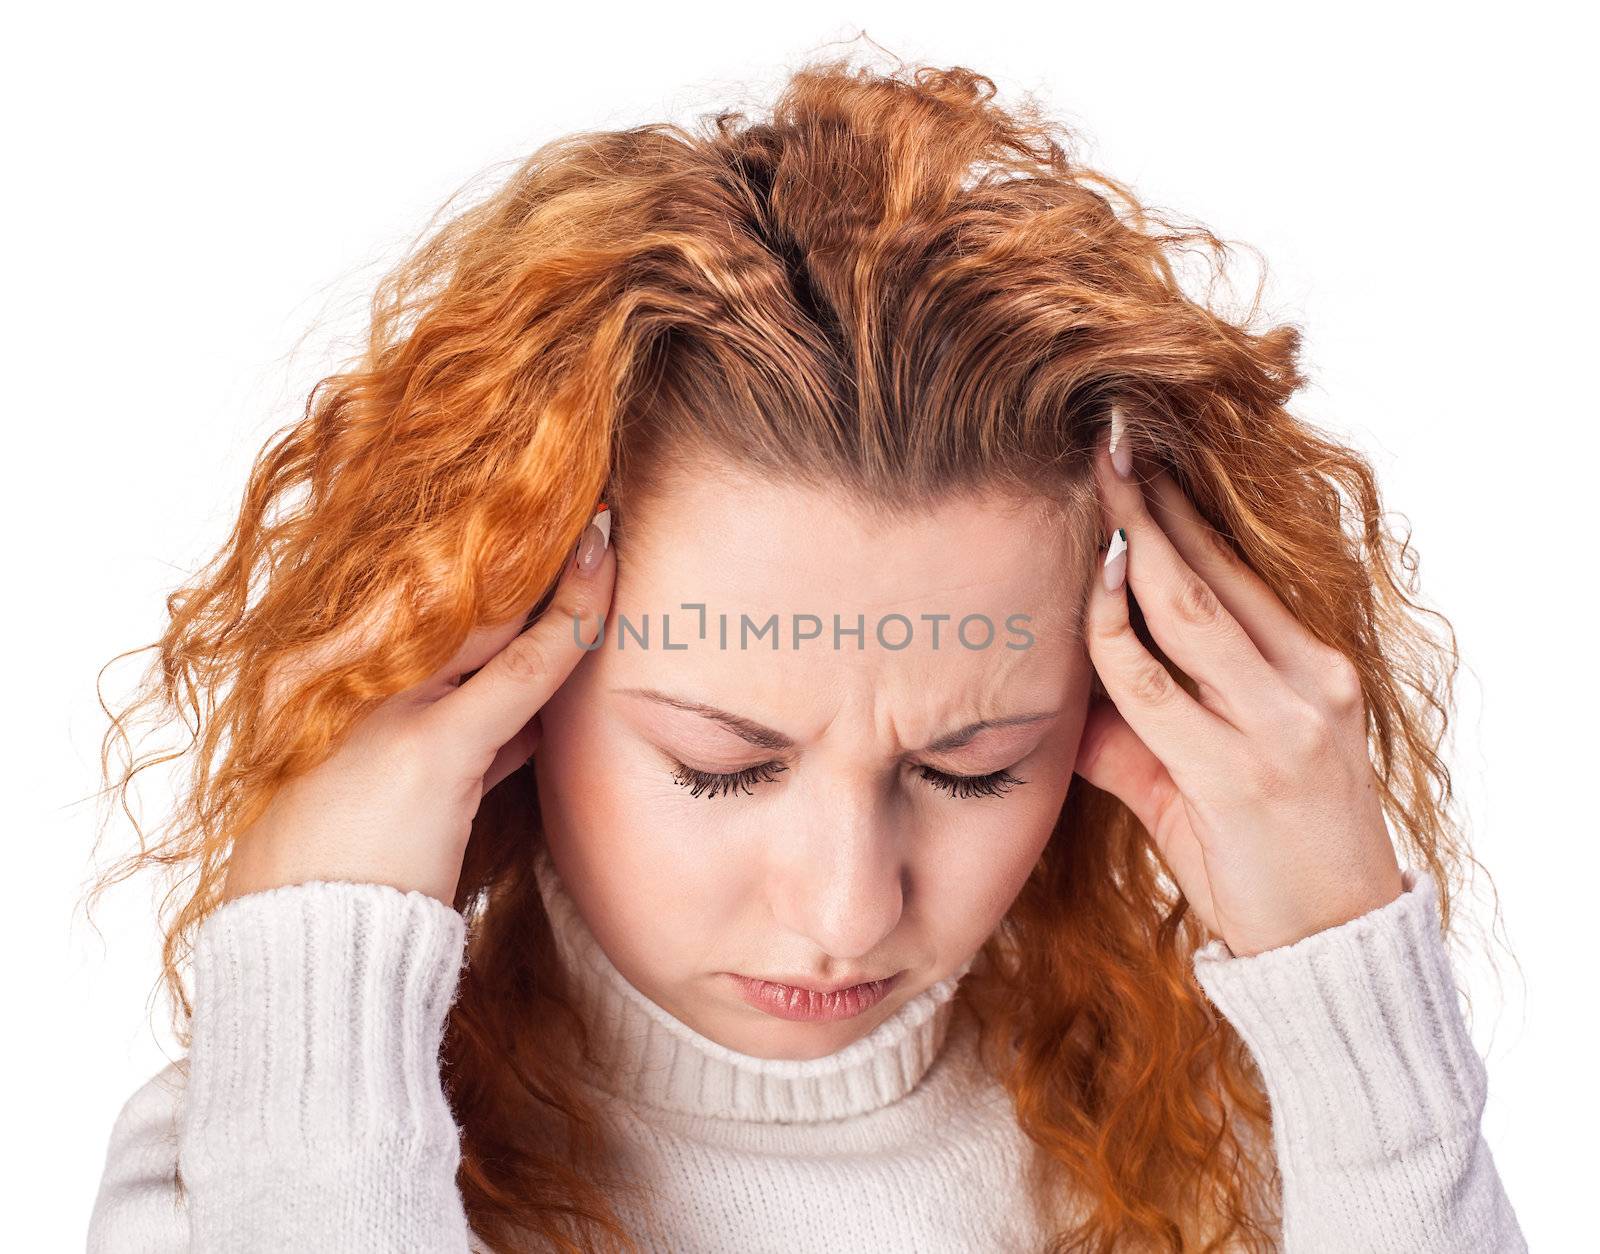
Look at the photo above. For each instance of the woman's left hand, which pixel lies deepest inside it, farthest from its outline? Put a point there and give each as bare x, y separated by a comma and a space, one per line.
1260, 795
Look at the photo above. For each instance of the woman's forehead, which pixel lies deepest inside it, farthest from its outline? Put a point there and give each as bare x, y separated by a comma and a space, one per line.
752, 544
781, 603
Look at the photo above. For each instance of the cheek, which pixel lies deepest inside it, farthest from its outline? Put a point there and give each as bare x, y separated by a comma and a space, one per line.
635, 863
988, 855
982, 869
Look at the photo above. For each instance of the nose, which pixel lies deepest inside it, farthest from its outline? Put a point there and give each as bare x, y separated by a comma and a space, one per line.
841, 881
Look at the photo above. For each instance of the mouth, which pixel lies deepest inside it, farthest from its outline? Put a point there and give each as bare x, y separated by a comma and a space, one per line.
787, 1001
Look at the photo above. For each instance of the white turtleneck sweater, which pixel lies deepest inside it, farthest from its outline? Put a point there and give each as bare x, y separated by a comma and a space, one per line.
309, 1113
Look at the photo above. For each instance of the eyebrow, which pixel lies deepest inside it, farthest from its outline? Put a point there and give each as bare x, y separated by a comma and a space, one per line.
767, 738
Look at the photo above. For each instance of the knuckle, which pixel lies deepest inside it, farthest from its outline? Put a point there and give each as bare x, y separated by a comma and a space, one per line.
572, 622
573, 602
286, 676
1151, 684
1107, 629
1197, 605
1296, 748
1307, 730
1341, 681
1214, 546
527, 657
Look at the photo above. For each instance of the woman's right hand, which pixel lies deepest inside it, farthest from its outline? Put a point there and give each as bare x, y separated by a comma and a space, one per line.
394, 803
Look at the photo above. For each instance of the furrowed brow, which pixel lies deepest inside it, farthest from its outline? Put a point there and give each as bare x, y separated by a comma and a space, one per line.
964, 736
768, 738
747, 729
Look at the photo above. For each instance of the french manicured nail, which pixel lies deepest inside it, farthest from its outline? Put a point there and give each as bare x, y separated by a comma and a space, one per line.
1120, 448
1116, 563
596, 536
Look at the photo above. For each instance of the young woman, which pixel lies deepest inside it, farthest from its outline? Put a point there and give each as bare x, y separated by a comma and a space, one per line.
803, 695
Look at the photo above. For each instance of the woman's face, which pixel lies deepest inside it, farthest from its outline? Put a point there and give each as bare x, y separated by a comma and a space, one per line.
848, 864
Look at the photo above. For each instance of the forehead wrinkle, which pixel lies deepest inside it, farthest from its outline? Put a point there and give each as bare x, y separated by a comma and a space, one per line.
954, 707
952, 720
1064, 527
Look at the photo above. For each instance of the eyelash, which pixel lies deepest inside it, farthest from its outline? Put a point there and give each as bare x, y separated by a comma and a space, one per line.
706, 781
994, 784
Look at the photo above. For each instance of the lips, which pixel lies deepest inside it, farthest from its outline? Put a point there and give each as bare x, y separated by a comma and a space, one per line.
785, 1001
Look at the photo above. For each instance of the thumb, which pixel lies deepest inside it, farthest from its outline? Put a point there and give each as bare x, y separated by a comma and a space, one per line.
498, 702
514, 753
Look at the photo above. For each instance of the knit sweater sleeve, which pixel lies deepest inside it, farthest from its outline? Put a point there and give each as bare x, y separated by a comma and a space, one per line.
309, 1113
1375, 1087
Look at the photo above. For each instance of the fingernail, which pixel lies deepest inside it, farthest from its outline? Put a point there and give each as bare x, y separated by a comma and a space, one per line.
596, 536
1121, 449
1116, 563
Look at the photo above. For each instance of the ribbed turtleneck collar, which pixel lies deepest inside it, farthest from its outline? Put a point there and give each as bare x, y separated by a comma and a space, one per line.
649, 1056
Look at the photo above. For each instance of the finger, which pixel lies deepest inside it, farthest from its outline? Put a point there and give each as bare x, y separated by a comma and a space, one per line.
351, 637
1185, 616
361, 634
1113, 758
1276, 632
514, 754
1193, 743
491, 707
480, 645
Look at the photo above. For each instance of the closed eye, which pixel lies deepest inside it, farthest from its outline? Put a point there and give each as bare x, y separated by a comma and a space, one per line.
710, 783
994, 784
713, 784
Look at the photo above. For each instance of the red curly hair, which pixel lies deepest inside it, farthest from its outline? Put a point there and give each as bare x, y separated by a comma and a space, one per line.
888, 284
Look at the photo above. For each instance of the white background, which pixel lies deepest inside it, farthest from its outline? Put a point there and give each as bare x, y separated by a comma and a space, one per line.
192, 189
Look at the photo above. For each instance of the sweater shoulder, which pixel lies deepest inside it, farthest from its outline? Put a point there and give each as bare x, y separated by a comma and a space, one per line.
139, 1205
